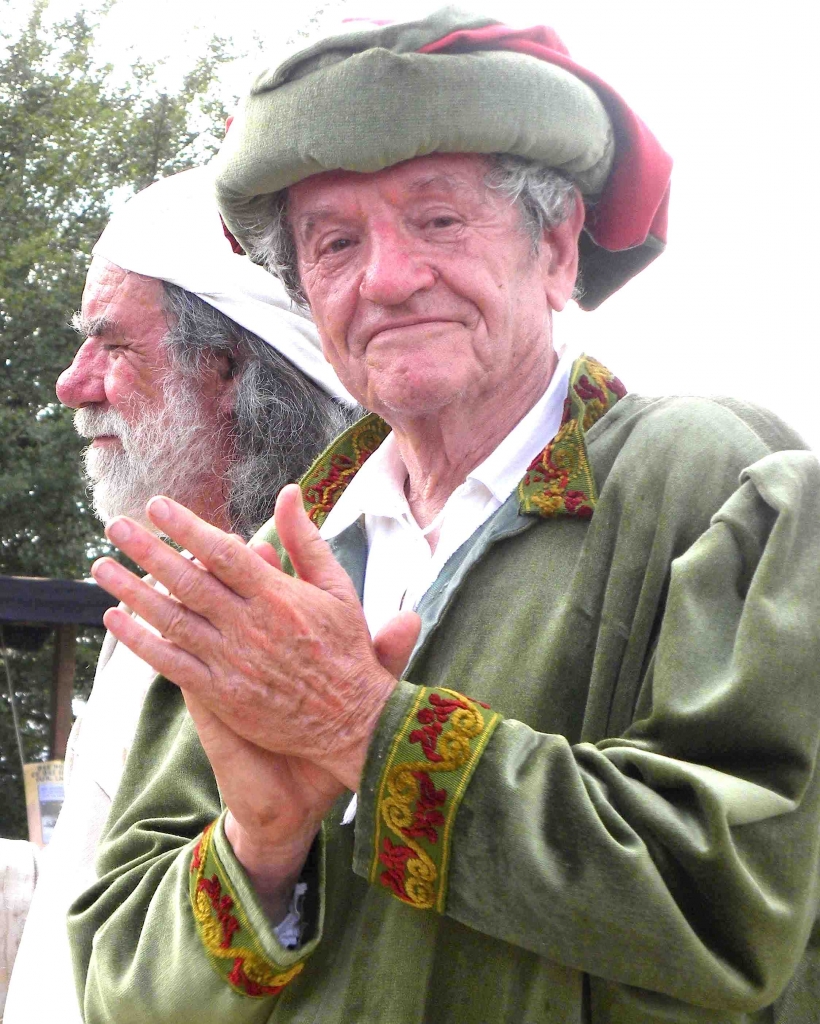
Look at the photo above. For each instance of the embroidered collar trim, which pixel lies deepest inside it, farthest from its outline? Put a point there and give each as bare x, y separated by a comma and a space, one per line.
558, 481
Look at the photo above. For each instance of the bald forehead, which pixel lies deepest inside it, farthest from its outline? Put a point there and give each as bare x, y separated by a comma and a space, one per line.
105, 279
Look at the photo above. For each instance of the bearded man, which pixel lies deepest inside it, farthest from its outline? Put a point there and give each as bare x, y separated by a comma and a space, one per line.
592, 793
196, 378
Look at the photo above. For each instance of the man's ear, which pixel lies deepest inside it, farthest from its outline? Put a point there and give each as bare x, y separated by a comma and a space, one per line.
559, 256
225, 378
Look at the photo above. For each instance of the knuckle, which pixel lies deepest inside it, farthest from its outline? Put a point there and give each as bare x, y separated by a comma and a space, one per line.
223, 553
176, 624
312, 538
188, 580
318, 548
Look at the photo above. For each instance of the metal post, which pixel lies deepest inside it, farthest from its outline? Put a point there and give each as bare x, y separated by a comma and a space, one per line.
62, 690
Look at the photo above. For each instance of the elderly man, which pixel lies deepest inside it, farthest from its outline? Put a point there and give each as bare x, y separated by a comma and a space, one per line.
591, 794
196, 379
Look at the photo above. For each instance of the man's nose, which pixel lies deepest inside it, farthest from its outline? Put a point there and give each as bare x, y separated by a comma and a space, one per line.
83, 382
395, 269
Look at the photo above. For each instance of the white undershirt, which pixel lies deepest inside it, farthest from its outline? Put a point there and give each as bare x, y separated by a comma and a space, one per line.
400, 564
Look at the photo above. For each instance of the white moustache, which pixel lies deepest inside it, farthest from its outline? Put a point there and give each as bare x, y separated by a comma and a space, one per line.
93, 423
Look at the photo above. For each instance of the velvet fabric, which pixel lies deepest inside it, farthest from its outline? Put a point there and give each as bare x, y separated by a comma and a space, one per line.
639, 841
378, 94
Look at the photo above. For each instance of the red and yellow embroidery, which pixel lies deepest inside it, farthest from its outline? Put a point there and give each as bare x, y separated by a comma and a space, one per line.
419, 797
559, 481
324, 482
225, 933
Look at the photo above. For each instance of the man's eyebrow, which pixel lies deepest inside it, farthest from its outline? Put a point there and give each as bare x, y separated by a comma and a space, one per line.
313, 219
92, 326
438, 183
433, 183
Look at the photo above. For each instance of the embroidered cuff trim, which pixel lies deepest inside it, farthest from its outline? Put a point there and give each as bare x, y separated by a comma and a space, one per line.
229, 941
450, 731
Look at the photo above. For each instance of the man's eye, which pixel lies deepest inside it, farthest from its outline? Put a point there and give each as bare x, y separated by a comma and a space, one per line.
442, 222
338, 244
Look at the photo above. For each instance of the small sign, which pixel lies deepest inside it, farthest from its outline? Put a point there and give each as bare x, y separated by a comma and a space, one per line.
44, 798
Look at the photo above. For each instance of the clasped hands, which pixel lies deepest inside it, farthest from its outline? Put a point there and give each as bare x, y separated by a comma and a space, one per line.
279, 673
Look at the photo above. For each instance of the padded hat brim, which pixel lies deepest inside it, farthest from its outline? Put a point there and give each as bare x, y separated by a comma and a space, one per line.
379, 108
379, 95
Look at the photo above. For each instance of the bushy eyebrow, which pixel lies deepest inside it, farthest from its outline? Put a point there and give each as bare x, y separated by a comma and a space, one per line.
92, 326
438, 183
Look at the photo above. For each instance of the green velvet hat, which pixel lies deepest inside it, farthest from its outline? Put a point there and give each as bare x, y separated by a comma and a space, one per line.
452, 82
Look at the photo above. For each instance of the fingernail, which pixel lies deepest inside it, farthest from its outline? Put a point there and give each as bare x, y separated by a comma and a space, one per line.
102, 571
158, 509
119, 531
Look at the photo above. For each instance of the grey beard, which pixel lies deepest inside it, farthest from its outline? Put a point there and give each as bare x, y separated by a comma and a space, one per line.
168, 451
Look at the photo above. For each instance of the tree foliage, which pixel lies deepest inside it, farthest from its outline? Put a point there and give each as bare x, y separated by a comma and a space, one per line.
70, 138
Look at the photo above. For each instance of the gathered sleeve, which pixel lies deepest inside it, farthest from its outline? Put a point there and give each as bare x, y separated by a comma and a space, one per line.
679, 857
173, 930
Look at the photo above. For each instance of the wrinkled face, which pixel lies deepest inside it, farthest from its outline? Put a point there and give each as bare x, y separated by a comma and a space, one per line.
122, 362
422, 282
151, 431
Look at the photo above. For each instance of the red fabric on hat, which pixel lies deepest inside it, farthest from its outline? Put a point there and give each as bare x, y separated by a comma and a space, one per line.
237, 248
635, 201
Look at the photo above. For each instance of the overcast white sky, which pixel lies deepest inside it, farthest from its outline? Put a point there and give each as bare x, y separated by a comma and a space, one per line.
730, 90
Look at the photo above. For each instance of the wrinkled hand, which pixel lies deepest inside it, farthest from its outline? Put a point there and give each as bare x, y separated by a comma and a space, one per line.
275, 806
235, 634
275, 803
285, 663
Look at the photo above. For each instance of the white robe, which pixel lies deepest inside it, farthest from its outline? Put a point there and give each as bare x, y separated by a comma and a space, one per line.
18, 875
42, 982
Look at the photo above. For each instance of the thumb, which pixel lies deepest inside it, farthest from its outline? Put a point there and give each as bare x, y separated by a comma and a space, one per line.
311, 556
395, 641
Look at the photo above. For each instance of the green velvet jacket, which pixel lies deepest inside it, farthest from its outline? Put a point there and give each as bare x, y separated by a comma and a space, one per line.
595, 797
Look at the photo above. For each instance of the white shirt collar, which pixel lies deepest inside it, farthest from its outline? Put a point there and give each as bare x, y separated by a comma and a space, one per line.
504, 467
378, 487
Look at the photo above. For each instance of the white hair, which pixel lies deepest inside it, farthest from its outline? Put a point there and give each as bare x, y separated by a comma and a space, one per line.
164, 449
280, 421
281, 418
